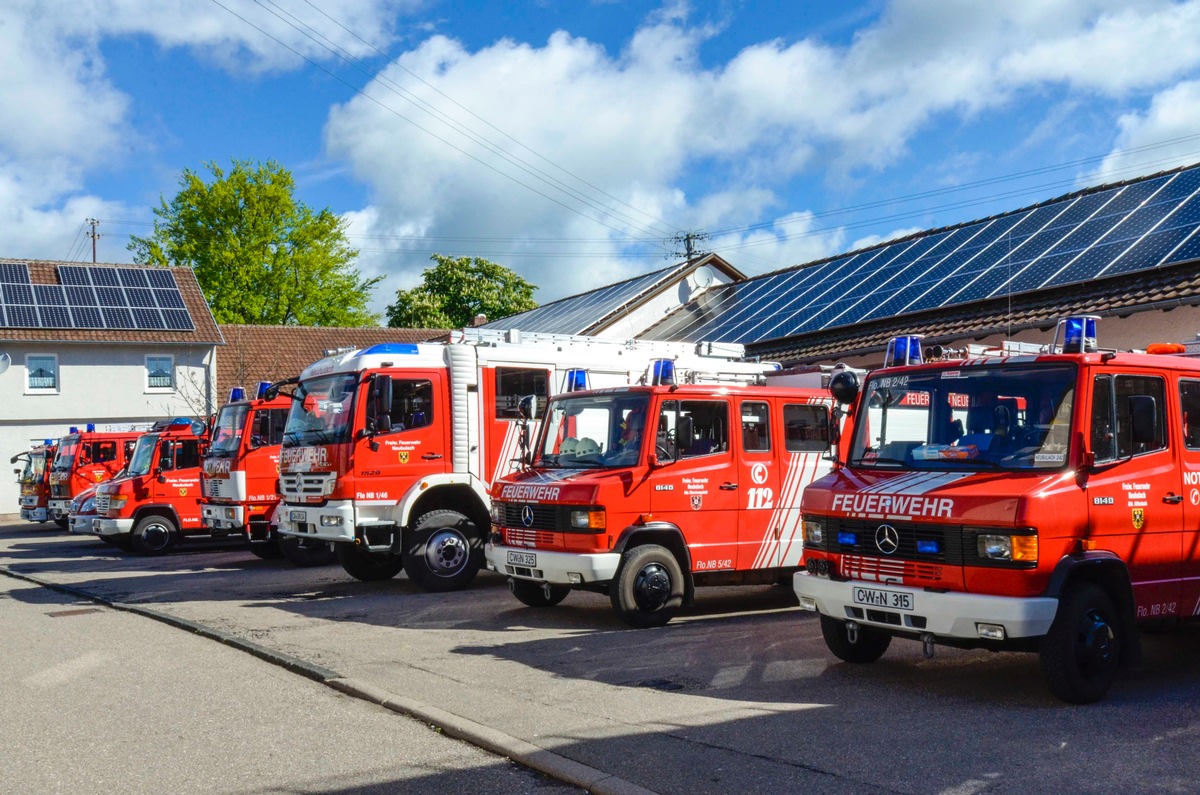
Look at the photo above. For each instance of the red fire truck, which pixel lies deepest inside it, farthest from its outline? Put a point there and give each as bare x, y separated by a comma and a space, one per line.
84, 459
34, 479
240, 474
1043, 500
389, 452
156, 500
646, 492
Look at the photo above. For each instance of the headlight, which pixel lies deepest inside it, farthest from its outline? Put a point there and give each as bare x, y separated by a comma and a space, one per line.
588, 519
331, 521
814, 531
89, 505
229, 512
1022, 548
497, 511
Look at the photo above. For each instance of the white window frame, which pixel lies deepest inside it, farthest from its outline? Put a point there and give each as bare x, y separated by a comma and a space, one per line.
161, 390
41, 390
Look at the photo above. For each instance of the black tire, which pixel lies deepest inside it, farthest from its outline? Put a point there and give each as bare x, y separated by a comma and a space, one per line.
868, 647
265, 550
537, 594
154, 535
123, 542
110, 540
648, 588
63, 523
307, 552
1081, 652
443, 551
366, 566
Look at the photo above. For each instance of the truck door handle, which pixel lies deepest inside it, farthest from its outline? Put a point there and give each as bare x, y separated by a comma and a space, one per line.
431, 456
733, 487
1173, 499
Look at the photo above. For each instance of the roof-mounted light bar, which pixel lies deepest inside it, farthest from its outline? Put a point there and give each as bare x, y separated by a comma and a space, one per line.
662, 372
237, 394
577, 381
1078, 334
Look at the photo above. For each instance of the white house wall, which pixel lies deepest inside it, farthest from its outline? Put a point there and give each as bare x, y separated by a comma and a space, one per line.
659, 306
102, 384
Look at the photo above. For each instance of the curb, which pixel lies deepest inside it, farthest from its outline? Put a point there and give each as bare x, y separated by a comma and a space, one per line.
492, 740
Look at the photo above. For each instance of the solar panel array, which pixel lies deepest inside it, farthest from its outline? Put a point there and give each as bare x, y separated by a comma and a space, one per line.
578, 313
93, 298
1119, 230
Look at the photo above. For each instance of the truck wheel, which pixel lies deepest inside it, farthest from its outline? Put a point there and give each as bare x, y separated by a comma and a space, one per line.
1079, 654
154, 535
307, 552
648, 588
367, 566
868, 647
443, 551
267, 550
537, 594
63, 523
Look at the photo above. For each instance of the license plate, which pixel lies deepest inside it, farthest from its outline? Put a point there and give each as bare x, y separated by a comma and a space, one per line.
297, 516
522, 559
876, 597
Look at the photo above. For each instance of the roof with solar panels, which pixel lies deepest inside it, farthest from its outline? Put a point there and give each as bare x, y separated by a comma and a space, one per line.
1108, 250
74, 302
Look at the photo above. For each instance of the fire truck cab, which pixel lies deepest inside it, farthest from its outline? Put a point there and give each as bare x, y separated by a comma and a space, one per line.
240, 475
34, 480
389, 452
646, 492
85, 458
156, 499
1028, 498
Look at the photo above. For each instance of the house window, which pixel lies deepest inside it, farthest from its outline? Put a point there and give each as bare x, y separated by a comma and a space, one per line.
42, 372
160, 372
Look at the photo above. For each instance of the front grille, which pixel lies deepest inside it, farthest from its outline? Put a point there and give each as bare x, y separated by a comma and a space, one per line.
554, 518
306, 486
877, 569
527, 538
60, 490
214, 487
101, 503
948, 537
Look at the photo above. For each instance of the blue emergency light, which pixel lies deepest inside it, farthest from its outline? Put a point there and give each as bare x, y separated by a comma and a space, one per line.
236, 394
847, 539
928, 546
73, 429
91, 427
662, 372
1079, 334
903, 350
577, 381
263, 386
47, 442
403, 348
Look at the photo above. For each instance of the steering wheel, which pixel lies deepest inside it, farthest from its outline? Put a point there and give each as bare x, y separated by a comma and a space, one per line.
662, 452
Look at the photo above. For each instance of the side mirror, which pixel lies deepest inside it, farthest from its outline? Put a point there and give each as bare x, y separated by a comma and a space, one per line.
1143, 420
528, 407
684, 432
383, 422
272, 392
158, 474
844, 387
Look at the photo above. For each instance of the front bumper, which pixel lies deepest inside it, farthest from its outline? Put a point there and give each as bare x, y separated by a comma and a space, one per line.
230, 518
59, 508
35, 514
103, 526
333, 521
82, 523
554, 567
946, 614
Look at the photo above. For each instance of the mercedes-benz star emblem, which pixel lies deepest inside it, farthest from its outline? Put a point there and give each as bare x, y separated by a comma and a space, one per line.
527, 516
887, 540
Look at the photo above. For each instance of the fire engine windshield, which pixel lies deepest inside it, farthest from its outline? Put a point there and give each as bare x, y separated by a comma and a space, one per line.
321, 411
35, 467
974, 417
593, 431
227, 432
142, 458
65, 460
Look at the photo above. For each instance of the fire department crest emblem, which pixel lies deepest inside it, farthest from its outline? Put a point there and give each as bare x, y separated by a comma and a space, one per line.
403, 456
697, 501
183, 492
1139, 518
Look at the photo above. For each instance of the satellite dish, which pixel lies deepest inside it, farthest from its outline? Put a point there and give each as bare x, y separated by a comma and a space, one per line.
5, 361
703, 276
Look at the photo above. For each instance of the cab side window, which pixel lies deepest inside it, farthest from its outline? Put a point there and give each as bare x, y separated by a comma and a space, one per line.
268, 427
756, 427
513, 383
806, 428
412, 404
1189, 405
104, 451
187, 454
694, 427
1112, 422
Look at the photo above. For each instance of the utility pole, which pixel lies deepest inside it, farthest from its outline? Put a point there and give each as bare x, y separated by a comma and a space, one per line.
94, 235
688, 240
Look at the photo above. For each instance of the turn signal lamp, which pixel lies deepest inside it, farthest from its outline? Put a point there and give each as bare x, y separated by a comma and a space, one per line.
577, 381
1079, 334
662, 372
589, 520
236, 394
261, 392
903, 350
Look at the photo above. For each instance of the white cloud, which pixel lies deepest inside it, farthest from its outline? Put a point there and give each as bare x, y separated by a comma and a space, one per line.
1170, 119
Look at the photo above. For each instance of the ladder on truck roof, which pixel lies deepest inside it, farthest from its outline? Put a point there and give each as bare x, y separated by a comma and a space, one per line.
485, 336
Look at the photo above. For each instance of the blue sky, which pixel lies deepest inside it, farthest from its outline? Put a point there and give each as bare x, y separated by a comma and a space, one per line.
570, 140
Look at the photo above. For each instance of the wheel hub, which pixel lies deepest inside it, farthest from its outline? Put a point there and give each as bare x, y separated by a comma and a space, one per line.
652, 587
155, 536
1094, 647
446, 553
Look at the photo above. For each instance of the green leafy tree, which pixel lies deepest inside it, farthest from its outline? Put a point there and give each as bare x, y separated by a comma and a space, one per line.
455, 290
260, 256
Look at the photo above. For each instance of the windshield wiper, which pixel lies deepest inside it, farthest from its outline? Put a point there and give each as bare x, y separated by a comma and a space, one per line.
882, 460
